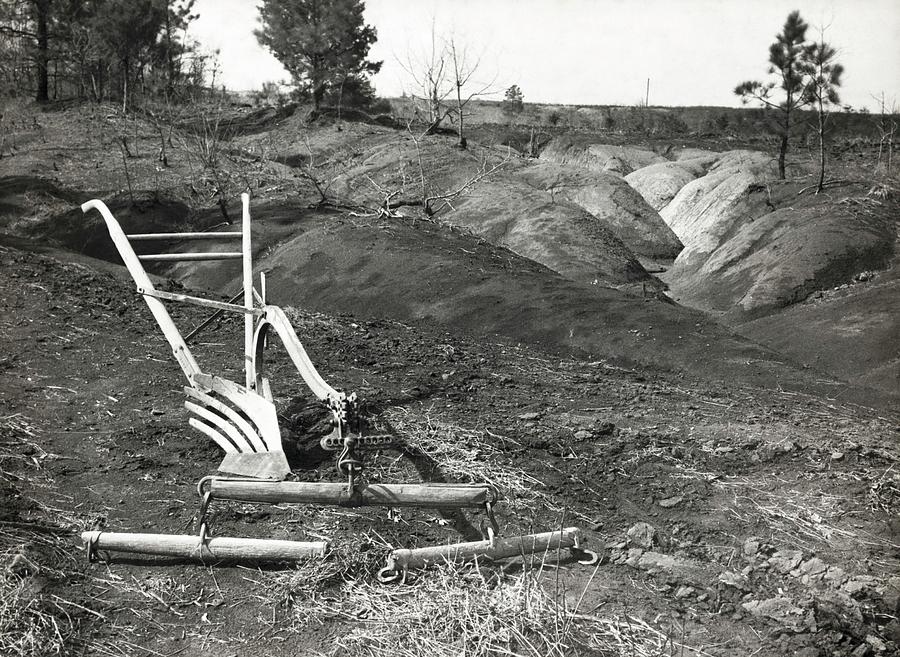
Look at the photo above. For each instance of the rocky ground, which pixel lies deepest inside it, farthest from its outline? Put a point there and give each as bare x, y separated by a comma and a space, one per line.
733, 515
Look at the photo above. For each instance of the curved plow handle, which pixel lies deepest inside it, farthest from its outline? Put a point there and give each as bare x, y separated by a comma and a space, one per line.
179, 348
276, 319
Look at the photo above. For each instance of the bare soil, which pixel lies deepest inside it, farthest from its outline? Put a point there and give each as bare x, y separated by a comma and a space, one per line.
742, 504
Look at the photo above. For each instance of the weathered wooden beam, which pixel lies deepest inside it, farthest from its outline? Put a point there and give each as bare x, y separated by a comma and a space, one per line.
144, 237
197, 301
427, 496
217, 548
502, 548
223, 255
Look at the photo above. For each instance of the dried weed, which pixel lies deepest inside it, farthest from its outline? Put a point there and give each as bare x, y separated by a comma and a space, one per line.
459, 611
467, 456
33, 621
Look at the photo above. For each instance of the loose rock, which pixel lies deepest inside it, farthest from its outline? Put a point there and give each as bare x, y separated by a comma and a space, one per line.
642, 535
786, 560
734, 580
781, 610
812, 569
877, 644
858, 586
684, 591
750, 546
835, 576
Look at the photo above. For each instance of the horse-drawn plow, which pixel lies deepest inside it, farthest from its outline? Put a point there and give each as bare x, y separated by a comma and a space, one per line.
241, 419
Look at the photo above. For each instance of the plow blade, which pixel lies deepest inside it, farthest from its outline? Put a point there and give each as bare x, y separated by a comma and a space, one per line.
500, 548
210, 550
260, 465
426, 496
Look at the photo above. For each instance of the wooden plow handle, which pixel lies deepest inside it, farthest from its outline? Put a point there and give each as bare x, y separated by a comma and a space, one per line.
179, 348
254, 398
275, 318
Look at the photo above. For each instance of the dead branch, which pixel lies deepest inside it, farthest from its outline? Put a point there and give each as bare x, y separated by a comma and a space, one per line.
447, 196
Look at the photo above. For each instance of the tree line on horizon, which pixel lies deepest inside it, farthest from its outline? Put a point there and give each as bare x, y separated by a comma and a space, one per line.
118, 50
98, 49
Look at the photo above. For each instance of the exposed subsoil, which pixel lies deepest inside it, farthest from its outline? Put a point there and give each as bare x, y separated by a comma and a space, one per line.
754, 495
734, 514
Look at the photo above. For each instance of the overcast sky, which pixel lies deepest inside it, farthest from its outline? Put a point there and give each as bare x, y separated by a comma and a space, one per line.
594, 51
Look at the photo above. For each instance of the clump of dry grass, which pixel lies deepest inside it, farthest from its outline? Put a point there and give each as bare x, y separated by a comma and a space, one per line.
467, 456
17, 445
807, 519
33, 553
26, 626
300, 593
883, 493
458, 611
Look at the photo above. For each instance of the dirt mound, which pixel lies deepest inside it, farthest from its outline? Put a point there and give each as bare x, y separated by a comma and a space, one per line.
780, 258
753, 244
418, 271
611, 200
558, 234
688, 153
620, 160
238, 120
558, 218
584, 225
705, 210
659, 183
851, 331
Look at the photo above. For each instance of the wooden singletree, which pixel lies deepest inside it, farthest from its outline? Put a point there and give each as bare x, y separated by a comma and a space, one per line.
785, 66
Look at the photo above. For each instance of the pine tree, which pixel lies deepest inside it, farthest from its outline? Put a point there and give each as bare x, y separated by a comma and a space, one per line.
129, 30
177, 18
824, 75
42, 22
320, 42
513, 100
784, 64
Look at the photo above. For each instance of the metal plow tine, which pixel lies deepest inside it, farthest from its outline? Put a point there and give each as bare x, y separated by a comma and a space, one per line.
242, 424
222, 424
217, 437
260, 410
261, 465
500, 548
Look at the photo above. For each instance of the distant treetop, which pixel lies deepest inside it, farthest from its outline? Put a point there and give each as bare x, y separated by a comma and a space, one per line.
321, 44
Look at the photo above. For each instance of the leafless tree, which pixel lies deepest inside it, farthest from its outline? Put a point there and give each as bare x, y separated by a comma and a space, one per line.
435, 200
448, 70
463, 71
428, 72
886, 125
